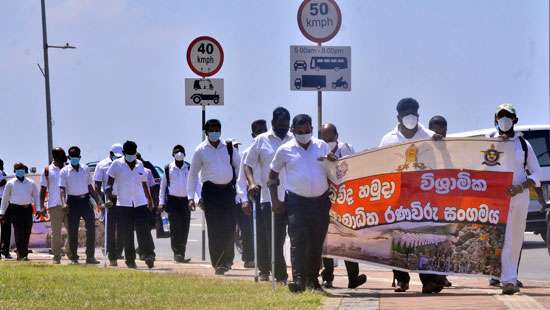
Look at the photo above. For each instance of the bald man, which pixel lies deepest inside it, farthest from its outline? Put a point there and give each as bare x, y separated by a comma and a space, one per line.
329, 134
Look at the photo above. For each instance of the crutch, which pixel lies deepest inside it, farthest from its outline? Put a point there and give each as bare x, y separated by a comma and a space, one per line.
273, 284
254, 214
106, 229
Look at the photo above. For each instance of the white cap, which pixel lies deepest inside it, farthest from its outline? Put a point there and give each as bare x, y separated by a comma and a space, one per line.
117, 149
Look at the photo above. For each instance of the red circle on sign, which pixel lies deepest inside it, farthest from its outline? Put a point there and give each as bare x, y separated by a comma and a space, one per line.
197, 71
312, 38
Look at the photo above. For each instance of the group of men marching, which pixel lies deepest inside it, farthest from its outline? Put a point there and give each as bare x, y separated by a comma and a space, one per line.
282, 176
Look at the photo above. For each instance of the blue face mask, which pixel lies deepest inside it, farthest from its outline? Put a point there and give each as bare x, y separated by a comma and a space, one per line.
75, 161
214, 136
130, 158
20, 173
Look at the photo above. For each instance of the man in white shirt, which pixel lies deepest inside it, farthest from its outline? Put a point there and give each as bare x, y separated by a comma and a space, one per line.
527, 174
329, 134
409, 129
244, 220
173, 199
76, 186
135, 205
49, 186
19, 195
5, 227
218, 164
114, 241
306, 201
257, 163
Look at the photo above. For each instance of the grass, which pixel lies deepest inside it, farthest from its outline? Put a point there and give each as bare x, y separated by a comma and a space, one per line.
44, 286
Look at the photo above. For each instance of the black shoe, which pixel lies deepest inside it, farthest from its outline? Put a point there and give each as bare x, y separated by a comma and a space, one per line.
357, 282
120, 256
297, 286
509, 289
447, 283
8, 255
181, 259
264, 277
249, 264
131, 265
113, 263
494, 282
327, 284
402, 287
432, 288
220, 271
74, 262
141, 257
519, 283
92, 261
150, 262
314, 285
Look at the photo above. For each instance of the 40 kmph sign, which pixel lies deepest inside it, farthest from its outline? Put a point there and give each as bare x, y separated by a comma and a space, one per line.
319, 20
205, 56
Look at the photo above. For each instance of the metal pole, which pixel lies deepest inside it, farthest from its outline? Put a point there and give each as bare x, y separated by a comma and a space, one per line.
254, 214
319, 110
203, 219
105, 226
47, 82
273, 248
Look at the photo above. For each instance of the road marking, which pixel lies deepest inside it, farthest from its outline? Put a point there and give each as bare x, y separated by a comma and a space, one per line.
520, 302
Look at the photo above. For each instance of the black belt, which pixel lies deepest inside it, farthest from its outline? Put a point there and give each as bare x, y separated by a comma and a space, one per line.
85, 196
177, 198
220, 186
19, 206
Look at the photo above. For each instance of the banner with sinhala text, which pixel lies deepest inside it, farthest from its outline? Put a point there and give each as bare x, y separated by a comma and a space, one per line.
433, 206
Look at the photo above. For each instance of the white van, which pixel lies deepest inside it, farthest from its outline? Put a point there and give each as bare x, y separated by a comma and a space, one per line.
539, 138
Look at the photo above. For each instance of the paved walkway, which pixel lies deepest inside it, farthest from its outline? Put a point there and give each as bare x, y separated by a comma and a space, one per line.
377, 293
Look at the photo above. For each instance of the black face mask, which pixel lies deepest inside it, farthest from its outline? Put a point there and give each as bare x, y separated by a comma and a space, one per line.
280, 132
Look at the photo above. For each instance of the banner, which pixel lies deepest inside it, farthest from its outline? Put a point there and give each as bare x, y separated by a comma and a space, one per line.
433, 206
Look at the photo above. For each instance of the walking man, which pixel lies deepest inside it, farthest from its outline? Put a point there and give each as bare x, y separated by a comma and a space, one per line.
306, 201
257, 163
174, 200
5, 227
76, 186
217, 163
19, 195
49, 182
134, 203
329, 134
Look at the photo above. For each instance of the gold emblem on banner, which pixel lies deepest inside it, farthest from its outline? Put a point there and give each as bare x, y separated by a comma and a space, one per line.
411, 159
491, 156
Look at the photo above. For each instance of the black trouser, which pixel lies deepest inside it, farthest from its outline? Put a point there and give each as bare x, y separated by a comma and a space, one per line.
5, 231
138, 218
247, 233
179, 216
425, 278
328, 272
308, 220
263, 220
80, 207
22, 227
219, 205
114, 240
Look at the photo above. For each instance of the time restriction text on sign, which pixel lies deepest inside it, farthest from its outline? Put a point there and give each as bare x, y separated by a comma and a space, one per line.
319, 20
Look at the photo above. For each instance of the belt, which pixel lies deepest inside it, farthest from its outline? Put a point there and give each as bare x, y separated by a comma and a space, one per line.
220, 186
21, 206
177, 197
79, 196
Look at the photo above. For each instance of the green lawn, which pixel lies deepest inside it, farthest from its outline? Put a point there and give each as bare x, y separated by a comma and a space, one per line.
43, 286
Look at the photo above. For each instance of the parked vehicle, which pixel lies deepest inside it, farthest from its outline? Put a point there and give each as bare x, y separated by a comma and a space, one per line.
539, 138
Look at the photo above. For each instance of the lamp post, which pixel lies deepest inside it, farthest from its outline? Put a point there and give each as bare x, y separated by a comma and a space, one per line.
46, 74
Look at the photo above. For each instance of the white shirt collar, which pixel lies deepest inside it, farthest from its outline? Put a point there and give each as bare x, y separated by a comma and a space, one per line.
272, 134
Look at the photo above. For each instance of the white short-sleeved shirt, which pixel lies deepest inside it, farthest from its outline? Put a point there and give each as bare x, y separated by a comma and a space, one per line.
150, 177
51, 182
306, 176
2, 177
396, 137
129, 183
343, 150
20, 193
178, 182
261, 155
100, 174
242, 185
213, 165
533, 165
75, 182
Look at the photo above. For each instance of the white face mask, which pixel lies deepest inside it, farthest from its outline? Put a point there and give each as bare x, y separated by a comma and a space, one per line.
410, 121
505, 124
179, 156
332, 145
303, 139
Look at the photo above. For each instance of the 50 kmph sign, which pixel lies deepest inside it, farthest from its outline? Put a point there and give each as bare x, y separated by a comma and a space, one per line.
319, 20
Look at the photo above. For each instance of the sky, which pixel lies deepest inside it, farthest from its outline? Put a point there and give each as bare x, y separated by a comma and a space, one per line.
125, 80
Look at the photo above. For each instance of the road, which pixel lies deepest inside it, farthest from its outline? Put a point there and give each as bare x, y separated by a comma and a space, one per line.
535, 262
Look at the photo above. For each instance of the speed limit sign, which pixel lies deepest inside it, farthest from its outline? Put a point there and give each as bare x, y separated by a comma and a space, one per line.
319, 20
205, 56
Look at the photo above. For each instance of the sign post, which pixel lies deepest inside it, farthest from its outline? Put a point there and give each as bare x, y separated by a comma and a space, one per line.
205, 58
319, 21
